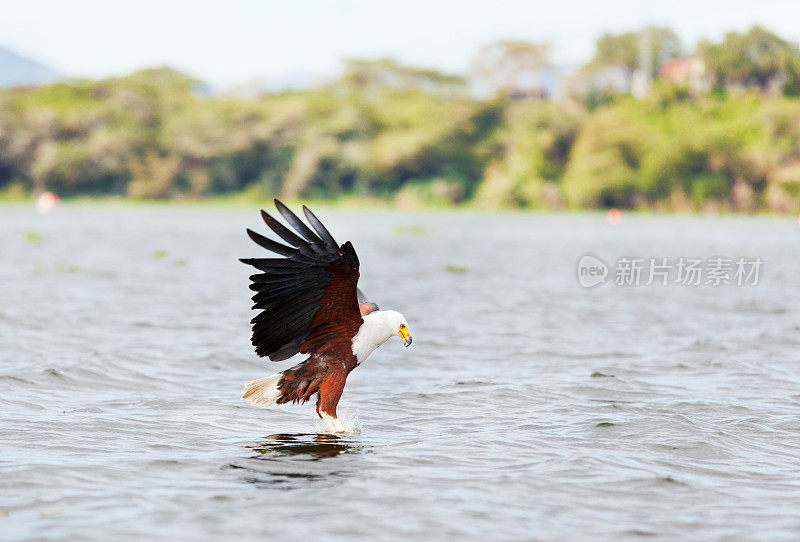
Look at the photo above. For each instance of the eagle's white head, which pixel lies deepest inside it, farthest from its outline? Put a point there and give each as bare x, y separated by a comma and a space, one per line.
379, 327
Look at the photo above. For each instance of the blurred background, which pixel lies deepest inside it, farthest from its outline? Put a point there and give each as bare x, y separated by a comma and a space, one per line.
528, 407
680, 106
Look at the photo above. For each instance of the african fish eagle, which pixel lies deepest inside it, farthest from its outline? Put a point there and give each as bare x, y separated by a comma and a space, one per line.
309, 303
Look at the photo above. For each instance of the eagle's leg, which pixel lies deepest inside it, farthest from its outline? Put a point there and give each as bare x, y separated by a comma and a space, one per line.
330, 390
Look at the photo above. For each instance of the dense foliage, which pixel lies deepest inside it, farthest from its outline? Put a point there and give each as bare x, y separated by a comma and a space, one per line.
625, 49
756, 58
156, 134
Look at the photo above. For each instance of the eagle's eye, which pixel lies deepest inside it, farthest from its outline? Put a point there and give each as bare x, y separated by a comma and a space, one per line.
402, 326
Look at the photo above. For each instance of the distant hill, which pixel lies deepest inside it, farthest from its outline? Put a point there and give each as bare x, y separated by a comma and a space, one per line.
17, 70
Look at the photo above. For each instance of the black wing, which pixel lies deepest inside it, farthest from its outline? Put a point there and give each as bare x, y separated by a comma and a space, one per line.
290, 291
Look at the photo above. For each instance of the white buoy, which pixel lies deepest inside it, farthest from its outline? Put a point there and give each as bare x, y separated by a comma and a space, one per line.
47, 202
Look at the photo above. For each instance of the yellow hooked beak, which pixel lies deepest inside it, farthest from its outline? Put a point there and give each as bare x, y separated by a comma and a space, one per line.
405, 335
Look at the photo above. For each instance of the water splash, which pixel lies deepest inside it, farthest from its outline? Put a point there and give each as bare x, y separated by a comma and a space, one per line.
348, 421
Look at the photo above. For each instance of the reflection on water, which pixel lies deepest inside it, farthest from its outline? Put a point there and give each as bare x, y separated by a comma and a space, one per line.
288, 459
301, 446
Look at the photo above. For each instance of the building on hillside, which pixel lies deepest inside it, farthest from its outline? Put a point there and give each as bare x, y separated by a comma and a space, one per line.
689, 70
543, 83
611, 80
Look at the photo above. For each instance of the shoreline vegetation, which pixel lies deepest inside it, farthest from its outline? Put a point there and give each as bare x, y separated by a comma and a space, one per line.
235, 201
385, 134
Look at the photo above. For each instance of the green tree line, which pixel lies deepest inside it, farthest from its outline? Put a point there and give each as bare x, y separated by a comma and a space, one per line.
417, 137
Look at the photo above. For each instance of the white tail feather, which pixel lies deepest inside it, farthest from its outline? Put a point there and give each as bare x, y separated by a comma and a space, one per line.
263, 392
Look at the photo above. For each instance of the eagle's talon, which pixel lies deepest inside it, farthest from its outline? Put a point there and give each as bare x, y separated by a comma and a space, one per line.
336, 426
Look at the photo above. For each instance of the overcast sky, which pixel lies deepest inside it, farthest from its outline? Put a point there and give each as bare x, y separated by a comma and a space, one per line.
238, 40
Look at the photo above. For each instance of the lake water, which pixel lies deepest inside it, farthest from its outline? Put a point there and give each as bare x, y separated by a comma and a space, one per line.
528, 407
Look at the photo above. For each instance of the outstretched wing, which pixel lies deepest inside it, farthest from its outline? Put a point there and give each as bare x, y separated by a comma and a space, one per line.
308, 299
